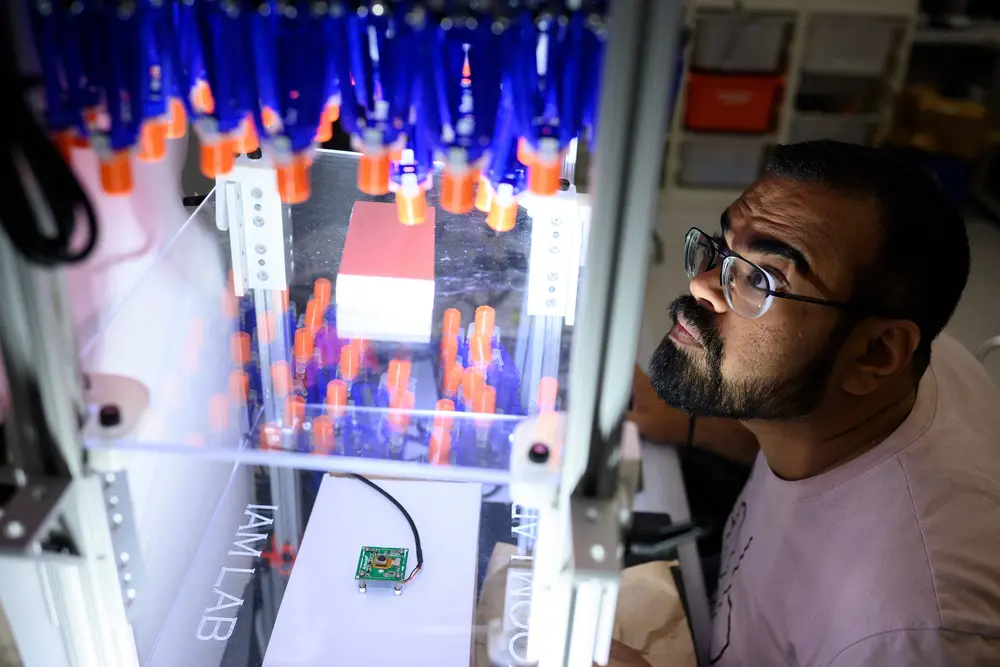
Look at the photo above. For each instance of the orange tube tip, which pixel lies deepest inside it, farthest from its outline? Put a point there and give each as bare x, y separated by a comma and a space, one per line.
336, 398
411, 210
246, 139
322, 291
153, 140
293, 179
543, 178
305, 345
457, 191
525, 153
485, 318
322, 435
484, 195
349, 361
177, 118
451, 323
502, 217
116, 174
217, 158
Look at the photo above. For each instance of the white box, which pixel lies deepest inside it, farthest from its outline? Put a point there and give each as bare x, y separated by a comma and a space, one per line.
739, 42
323, 619
848, 45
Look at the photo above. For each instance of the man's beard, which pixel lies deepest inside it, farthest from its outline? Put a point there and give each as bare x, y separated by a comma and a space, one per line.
682, 383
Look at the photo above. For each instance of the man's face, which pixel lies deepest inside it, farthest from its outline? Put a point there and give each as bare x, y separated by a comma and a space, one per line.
811, 240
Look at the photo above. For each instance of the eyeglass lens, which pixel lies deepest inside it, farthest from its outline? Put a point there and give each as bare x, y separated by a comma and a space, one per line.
745, 286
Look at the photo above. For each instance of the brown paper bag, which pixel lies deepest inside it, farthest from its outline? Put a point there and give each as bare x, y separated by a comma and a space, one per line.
649, 618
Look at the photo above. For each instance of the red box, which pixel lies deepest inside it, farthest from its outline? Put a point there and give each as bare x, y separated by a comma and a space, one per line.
731, 103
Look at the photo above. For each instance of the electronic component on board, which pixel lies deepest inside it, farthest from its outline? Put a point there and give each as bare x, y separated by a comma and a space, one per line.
382, 567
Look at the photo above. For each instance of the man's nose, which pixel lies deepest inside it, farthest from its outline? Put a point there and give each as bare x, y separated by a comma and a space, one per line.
707, 289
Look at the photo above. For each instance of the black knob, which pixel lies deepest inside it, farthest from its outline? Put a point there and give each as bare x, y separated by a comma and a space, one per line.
539, 453
110, 415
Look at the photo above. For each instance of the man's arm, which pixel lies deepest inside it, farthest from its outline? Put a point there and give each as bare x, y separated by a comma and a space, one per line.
659, 422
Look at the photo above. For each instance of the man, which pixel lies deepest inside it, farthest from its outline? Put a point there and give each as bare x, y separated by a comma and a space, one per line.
869, 530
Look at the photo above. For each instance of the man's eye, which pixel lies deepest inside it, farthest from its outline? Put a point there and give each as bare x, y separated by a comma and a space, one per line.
778, 276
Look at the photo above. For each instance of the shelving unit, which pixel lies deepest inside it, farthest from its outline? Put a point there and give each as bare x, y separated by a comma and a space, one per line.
874, 76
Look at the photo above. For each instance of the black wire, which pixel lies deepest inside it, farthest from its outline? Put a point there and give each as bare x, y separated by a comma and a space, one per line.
28, 159
406, 515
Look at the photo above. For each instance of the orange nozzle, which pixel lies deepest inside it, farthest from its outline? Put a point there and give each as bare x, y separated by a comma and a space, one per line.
472, 384
373, 173
239, 387
543, 177
322, 435
322, 291
314, 316
452, 378
177, 118
525, 153
305, 345
217, 158
398, 377
218, 412
349, 362
295, 412
480, 351
153, 140
201, 98
116, 174
240, 347
246, 139
411, 210
64, 141
293, 179
548, 391
336, 398
281, 378
270, 437
457, 190
401, 400
502, 217
266, 328
484, 195
485, 317
452, 323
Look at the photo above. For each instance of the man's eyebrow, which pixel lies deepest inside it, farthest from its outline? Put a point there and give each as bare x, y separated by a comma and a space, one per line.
771, 246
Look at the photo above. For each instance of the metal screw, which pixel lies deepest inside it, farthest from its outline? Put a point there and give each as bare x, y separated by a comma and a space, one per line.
117, 519
38, 493
554, 249
553, 275
552, 289
261, 262
550, 303
260, 248
109, 415
127, 577
14, 530
257, 207
592, 514
124, 558
130, 594
256, 193
597, 553
262, 276
556, 221
112, 500
109, 479
258, 221
555, 235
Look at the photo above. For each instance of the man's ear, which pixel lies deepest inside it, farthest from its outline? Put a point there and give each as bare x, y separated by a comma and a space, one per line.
883, 348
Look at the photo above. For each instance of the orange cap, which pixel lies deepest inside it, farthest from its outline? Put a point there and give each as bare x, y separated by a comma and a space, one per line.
116, 173
269, 117
411, 210
548, 391
305, 344
246, 139
336, 398
201, 98
217, 157
322, 291
314, 316
451, 324
457, 190
485, 317
281, 378
486, 401
349, 362
177, 118
295, 412
293, 179
240, 347
270, 436
484, 195
153, 140
64, 141
401, 400
480, 351
452, 378
525, 153
399, 374
472, 384
322, 435
218, 412
543, 177
239, 387
502, 217
373, 173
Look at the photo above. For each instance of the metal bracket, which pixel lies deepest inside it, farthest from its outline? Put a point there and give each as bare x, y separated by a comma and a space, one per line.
30, 509
124, 536
553, 273
248, 205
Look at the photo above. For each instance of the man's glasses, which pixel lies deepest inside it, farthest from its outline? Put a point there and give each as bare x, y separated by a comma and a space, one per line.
749, 289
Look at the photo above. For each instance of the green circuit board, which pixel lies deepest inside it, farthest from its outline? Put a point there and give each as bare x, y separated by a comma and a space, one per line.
382, 564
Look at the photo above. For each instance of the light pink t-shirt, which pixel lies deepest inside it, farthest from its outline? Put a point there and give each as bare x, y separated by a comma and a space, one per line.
892, 559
